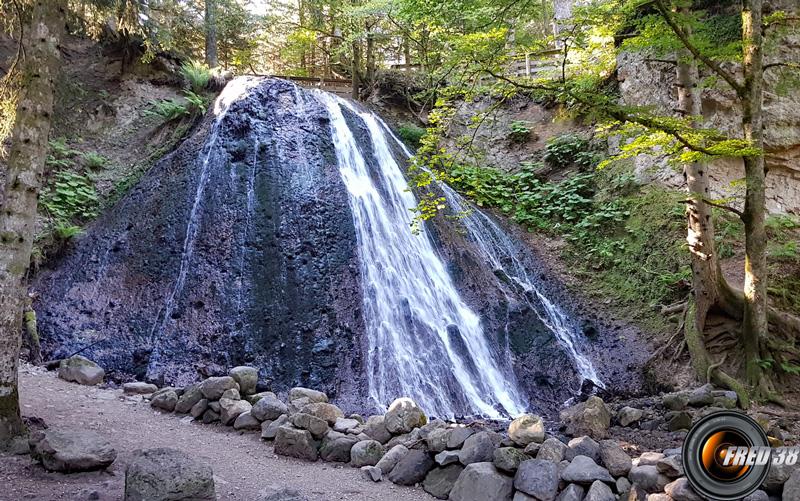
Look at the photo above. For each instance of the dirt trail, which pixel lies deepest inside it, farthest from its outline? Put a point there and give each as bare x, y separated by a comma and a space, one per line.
243, 465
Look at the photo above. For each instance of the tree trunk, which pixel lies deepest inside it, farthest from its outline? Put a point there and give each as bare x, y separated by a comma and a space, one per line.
755, 268
211, 34
23, 180
370, 57
355, 70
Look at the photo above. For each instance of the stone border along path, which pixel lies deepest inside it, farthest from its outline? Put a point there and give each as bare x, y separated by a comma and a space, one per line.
243, 464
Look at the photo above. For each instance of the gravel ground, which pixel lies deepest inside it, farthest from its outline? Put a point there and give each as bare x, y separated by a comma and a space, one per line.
243, 465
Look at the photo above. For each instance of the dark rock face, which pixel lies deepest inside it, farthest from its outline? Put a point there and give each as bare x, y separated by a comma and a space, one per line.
237, 249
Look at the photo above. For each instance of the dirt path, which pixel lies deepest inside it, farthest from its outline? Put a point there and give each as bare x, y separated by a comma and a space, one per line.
243, 465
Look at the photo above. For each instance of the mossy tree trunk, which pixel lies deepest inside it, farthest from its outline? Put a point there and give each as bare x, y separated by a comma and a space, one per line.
23, 180
211, 33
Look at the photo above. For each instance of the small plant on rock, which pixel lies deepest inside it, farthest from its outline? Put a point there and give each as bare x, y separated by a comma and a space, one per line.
520, 131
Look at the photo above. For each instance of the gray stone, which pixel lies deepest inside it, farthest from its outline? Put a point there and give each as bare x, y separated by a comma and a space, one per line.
629, 415
703, 396
403, 416
214, 406
482, 482
318, 427
532, 449
521, 496
583, 470
777, 476
445, 458
437, 440
600, 492
324, 410
508, 459
336, 447
614, 458
81, 370
295, 443
458, 436
372, 473
138, 388
572, 492
268, 408
191, 395
247, 377
623, 486
791, 489
648, 478
680, 490
757, 496
165, 401
680, 421
269, 429
390, 459
526, 429
411, 468
538, 478
675, 401
199, 408
478, 448
553, 450
246, 421
726, 399
230, 410
343, 425
69, 451
671, 466
376, 429
167, 475
440, 481
300, 396
587, 418
214, 387
650, 458
209, 416
584, 446
258, 396
366, 453
278, 493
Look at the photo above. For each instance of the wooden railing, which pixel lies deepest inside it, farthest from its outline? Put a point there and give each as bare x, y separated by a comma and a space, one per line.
340, 86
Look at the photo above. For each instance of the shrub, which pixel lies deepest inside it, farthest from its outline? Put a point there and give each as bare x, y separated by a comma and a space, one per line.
70, 197
520, 131
197, 75
94, 160
562, 151
411, 134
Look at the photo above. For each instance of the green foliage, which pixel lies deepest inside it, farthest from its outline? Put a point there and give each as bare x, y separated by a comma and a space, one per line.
411, 134
197, 75
70, 197
173, 109
562, 151
65, 231
520, 131
94, 160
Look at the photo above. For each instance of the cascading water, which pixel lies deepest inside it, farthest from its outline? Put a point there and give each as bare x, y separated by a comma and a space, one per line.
424, 341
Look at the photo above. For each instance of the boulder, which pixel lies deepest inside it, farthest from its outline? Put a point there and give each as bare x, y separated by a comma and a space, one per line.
213, 387
336, 447
246, 377
583, 470
552, 450
437, 439
508, 459
478, 448
300, 397
584, 446
757, 496
587, 418
199, 408
366, 453
167, 475
600, 492
411, 468
81, 370
777, 476
166, 400
403, 416
680, 490
538, 478
270, 428
231, 409
390, 459
210, 416
258, 396
614, 458
295, 443
268, 408
375, 428
675, 401
139, 388
526, 429
679, 421
246, 421
648, 478
69, 451
458, 436
191, 395
726, 399
650, 458
232, 394
325, 411
482, 482
277, 493
629, 415
318, 427
445, 458
372, 473
791, 489
671, 466
343, 425
623, 486
572, 492
702, 396
440, 481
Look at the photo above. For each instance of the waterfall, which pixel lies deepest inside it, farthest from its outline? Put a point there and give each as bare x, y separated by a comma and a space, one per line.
424, 341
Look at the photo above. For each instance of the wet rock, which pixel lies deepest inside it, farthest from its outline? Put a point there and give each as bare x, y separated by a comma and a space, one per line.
629, 415
458, 435
411, 468
583, 470
507, 459
445, 458
318, 427
246, 421
553, 450
680, 490
268, 408
70, 451
214, 387
167, 475
336, 446
231, 409
269, 429
572, 492
277, 493
587, 418
648, 478
390, 459
478, 448
671, 466
295, 443
482, 482
199, 408
584, 446
246, 377
538, 478
139, 388
440, 481
325, 411
366, 453
191, 395
403, 416
372, 473
614, 458
165, 400
600, 492
376, 429
343, 425
81, 370
526, 429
